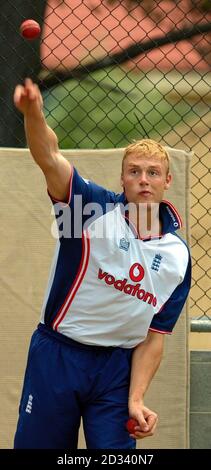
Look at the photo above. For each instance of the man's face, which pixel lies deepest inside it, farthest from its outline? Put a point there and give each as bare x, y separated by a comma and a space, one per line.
144, 179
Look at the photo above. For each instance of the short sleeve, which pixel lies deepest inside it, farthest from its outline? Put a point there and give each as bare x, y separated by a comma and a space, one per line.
90, 191
165, 320
87, 201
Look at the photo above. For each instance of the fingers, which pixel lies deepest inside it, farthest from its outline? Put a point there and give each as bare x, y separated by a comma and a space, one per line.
19, 93
26, 94
142, 435
31, 89
143, 425
152, 421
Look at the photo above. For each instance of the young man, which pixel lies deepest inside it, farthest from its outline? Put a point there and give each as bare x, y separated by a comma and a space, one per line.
114, 290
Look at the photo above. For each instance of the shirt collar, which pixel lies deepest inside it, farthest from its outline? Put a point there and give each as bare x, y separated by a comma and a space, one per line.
170, 218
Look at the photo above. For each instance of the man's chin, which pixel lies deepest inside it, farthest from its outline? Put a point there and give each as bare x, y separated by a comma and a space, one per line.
146, 199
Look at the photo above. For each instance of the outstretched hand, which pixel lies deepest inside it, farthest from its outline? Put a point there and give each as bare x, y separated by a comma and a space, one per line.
28, 98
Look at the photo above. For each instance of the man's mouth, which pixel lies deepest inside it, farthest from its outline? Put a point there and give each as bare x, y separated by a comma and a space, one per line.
145, 193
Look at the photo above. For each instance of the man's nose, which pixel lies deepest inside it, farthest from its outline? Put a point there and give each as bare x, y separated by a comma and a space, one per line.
143, 178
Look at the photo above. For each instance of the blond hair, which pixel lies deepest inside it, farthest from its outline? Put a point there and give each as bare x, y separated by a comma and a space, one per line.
147, 148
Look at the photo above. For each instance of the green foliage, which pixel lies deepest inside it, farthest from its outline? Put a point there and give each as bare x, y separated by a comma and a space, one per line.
111, 108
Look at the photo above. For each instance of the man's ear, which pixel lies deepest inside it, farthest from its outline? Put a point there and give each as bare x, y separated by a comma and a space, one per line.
168, 181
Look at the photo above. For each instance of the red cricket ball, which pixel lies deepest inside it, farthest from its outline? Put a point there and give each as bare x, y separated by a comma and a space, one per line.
30, 29
130, 425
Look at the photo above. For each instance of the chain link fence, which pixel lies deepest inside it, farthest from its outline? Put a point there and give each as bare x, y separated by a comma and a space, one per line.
114, 71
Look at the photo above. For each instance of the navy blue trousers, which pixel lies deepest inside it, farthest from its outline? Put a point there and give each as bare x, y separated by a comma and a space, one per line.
67, 381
